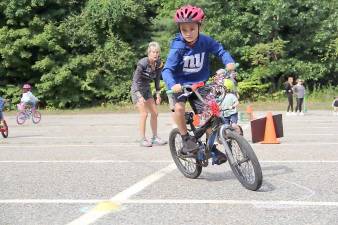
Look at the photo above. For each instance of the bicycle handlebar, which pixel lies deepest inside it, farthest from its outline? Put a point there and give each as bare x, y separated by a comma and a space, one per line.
188, 89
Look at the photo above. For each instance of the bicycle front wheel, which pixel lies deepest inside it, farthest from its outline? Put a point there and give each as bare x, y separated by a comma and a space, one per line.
36, 117
189, 167
4, 130
21, 118
246, 167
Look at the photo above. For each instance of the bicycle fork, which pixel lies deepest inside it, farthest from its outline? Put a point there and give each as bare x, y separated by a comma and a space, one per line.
227, 150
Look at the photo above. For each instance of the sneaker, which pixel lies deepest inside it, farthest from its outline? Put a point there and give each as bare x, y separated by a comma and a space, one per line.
158, 141
220, 156
189, 145
145, 143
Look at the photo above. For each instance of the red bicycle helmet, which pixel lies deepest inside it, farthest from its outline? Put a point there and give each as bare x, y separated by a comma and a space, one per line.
188, 14
27, 86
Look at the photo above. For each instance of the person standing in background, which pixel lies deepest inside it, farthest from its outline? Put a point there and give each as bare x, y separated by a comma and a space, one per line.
299, 91
289, 93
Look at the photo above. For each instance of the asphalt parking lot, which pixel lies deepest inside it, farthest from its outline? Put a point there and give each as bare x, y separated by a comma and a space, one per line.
90, 169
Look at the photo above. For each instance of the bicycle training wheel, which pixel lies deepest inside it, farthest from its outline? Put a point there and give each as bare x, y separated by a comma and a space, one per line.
4, 130
21, 118
36, 117
189, 167
247, 168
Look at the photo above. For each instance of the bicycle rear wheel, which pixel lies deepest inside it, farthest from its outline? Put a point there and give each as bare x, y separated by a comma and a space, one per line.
21, 118
189, 167
4, 130
36, 117
247, 168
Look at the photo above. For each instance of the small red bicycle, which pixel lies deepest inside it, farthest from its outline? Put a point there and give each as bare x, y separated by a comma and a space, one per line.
4, 128
27, 112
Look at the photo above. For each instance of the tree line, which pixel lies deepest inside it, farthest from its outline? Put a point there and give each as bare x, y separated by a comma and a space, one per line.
83, 52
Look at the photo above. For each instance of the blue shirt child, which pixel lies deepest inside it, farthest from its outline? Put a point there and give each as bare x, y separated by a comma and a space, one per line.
188, 65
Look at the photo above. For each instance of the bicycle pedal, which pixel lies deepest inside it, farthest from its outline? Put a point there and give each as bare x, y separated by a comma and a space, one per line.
187, 155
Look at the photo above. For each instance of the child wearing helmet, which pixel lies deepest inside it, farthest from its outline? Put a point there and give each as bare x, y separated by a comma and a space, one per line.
2, 103
229, 80
188, 63
229, 110
27, 97
335, 105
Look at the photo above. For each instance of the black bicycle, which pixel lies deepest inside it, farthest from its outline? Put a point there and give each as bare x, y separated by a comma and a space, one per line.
241, 157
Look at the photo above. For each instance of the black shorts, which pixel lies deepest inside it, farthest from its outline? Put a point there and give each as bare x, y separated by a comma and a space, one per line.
196, 104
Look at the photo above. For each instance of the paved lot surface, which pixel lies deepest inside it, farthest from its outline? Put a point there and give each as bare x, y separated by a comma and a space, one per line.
89, 169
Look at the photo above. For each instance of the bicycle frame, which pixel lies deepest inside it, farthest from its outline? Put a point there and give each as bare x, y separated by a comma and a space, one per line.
215, 122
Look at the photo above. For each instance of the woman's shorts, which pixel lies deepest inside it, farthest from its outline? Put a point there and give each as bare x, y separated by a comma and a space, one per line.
145, 93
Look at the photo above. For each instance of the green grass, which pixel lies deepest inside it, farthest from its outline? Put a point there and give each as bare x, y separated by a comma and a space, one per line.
319, 99
278, 105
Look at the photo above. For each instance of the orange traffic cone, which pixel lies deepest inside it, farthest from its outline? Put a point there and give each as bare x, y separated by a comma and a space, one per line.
249, 111
270, 132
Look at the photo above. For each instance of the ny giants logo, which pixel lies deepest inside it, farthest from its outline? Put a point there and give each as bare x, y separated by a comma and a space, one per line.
193, 63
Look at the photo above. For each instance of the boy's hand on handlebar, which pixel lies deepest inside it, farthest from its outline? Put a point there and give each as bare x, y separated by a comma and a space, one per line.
176, 88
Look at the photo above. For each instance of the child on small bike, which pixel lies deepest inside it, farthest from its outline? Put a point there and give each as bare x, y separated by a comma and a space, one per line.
2, 103
335, 105
188, 63
229, 110
27, 97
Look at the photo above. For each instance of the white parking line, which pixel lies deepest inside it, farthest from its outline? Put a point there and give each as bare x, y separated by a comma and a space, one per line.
123, 196
302, 134
85, 161
23, 146
296, 144
302, 128
150, 161
72, 137
167, 201
230, 202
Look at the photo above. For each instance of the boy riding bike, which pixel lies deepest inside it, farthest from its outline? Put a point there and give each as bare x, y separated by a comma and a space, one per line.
188, 63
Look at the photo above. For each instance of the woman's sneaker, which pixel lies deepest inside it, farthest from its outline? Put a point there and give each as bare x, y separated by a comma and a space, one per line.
145, 143
158, 141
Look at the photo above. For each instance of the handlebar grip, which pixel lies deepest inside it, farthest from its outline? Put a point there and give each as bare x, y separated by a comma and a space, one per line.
197, 85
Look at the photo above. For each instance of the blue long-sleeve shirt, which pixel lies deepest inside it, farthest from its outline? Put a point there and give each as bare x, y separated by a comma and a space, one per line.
187, 65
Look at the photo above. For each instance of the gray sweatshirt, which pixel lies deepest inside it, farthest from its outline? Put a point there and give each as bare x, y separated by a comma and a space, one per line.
143, 75
299, 90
